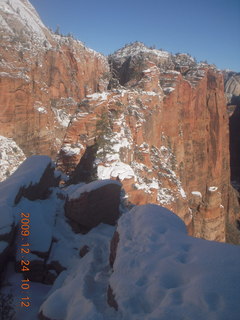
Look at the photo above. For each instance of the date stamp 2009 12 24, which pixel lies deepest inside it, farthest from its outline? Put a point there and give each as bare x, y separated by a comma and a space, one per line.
24, 262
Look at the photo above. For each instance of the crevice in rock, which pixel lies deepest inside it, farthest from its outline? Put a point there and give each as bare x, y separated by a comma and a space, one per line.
86, 171
234, 134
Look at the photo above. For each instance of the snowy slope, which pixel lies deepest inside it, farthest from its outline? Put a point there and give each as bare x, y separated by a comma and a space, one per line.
162, 273
159, 273
11, 156
138, 48
21, 13
28, 173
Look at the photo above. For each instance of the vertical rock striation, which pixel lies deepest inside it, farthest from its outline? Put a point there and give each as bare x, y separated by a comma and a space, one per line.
167, 140
43, 77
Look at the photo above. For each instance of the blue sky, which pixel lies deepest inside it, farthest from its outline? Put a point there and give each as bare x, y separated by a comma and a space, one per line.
206, 29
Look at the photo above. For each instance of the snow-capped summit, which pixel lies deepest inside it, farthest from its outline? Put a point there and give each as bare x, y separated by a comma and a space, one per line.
20, 17
136, 48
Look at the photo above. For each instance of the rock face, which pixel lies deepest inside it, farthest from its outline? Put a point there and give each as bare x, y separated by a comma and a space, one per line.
164, 135
11, 156
232, 86
31, 180
43, 77
99, 203
232, 92
161, 128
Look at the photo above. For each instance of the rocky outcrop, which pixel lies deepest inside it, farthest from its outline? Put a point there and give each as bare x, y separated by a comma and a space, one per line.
161, 128
41, 189
32, 180
11, 156
167, 137
43, 77
232, 93
92, 204
232, 87
153, 265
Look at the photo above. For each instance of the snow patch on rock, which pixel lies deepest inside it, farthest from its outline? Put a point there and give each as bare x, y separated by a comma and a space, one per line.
162, 273
114, 170
212, 189
196, 193
70, 150
11, 156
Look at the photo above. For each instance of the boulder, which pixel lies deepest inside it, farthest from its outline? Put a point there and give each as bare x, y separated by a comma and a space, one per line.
92, 204
157, 264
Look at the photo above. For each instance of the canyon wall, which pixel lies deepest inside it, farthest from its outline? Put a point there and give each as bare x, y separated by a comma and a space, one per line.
43, 77
232, 92
167, 139
157, 122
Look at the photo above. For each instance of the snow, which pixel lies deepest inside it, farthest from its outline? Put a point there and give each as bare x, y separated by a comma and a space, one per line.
24, 12
98, 96
62, 117
159, 272
165, 158
182, 192
172, 72
114, 170
147, 187
37, 293
138, 48
71, 150
80, 293
41, 218
165, 196
23, 176
150, 93
119, 139
168, 89
152, 69
197, 193
162, 273
15, 75
82, 188
39, 107
41, 110
11, 156
212, 189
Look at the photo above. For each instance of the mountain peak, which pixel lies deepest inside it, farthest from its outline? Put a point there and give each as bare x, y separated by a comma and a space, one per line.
20, 17
136, 48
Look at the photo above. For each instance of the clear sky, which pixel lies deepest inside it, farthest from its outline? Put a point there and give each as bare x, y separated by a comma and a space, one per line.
206, 29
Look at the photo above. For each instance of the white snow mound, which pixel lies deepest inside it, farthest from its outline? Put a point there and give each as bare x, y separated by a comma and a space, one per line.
162, 273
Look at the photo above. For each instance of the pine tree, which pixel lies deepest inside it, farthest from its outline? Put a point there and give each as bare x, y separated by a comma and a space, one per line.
104, 134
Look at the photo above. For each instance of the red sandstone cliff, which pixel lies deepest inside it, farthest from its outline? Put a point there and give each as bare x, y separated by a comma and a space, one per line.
167, 140
43, 77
